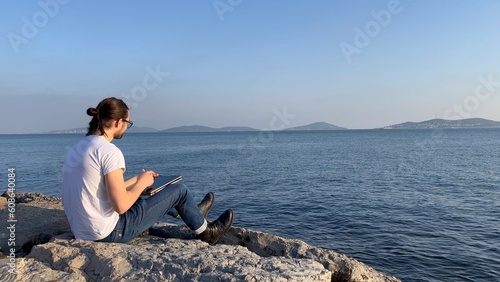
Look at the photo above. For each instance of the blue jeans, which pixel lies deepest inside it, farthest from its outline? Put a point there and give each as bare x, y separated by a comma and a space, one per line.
148, 210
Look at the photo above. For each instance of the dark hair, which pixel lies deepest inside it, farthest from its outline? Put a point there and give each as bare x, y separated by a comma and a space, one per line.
108, 109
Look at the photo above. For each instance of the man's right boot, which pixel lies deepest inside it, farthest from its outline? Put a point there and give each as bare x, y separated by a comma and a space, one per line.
217, 228
206, 204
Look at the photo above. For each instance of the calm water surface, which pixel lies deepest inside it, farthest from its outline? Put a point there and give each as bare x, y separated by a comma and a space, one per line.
422, 205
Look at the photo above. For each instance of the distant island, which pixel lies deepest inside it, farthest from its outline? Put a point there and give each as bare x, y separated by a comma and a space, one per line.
443, 123
83, 130
317, 126
80, 130
201, 128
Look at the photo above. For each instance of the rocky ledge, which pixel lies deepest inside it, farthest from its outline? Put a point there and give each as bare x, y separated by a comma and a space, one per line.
45, 250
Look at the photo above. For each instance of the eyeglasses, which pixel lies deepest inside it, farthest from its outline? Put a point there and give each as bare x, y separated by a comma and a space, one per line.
130, 123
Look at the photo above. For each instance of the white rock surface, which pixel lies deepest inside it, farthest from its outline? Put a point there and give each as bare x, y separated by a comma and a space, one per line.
158, 259
241, 255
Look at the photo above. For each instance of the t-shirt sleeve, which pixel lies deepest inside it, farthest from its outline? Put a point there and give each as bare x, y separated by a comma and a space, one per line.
112, 160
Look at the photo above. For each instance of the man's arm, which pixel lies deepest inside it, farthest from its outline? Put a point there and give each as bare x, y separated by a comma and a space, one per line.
130, 182
121, 196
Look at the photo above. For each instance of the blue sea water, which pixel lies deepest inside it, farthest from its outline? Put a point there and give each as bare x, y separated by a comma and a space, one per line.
422, 205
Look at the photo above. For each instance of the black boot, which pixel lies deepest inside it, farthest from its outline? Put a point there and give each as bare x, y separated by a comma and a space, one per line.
206, 204
217, 228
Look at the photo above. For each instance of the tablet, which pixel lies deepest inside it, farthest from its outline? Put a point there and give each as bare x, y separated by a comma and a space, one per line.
161, 182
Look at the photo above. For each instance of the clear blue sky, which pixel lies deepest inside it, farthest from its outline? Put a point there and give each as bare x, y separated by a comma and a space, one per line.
356, 64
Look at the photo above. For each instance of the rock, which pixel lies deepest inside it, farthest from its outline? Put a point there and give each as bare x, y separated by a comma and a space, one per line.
168, 253
3, 201
37, 218
342, 267
159, 259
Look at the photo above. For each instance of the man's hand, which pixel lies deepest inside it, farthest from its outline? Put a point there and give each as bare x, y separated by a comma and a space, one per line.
146, 178
123, 197
129, 183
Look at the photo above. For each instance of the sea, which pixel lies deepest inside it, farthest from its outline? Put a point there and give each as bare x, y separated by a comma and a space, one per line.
421, 205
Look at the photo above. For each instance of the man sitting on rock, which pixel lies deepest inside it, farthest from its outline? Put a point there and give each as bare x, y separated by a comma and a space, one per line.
102, 206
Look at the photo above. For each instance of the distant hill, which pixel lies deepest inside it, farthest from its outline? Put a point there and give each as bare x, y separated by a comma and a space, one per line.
80, 130
443, 123
200, 128
429, 124
317, 126
141, 129
83, 130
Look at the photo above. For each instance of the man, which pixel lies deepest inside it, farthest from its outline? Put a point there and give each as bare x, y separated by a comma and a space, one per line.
101, 206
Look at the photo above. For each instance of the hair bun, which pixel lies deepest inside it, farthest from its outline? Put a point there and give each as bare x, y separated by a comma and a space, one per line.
92, 112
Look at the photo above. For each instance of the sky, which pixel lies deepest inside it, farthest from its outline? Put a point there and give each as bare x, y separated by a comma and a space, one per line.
263, 64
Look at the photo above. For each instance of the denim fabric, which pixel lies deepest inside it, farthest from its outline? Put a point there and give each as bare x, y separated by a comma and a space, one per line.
146, 211
173, 213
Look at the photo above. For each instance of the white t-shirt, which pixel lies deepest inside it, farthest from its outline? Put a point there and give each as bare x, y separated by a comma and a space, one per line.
85, 200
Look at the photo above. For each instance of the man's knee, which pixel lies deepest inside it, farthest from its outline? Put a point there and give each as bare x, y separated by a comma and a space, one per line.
181, 187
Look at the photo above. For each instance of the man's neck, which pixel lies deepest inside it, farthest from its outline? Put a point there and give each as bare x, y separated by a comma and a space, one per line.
106, 135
